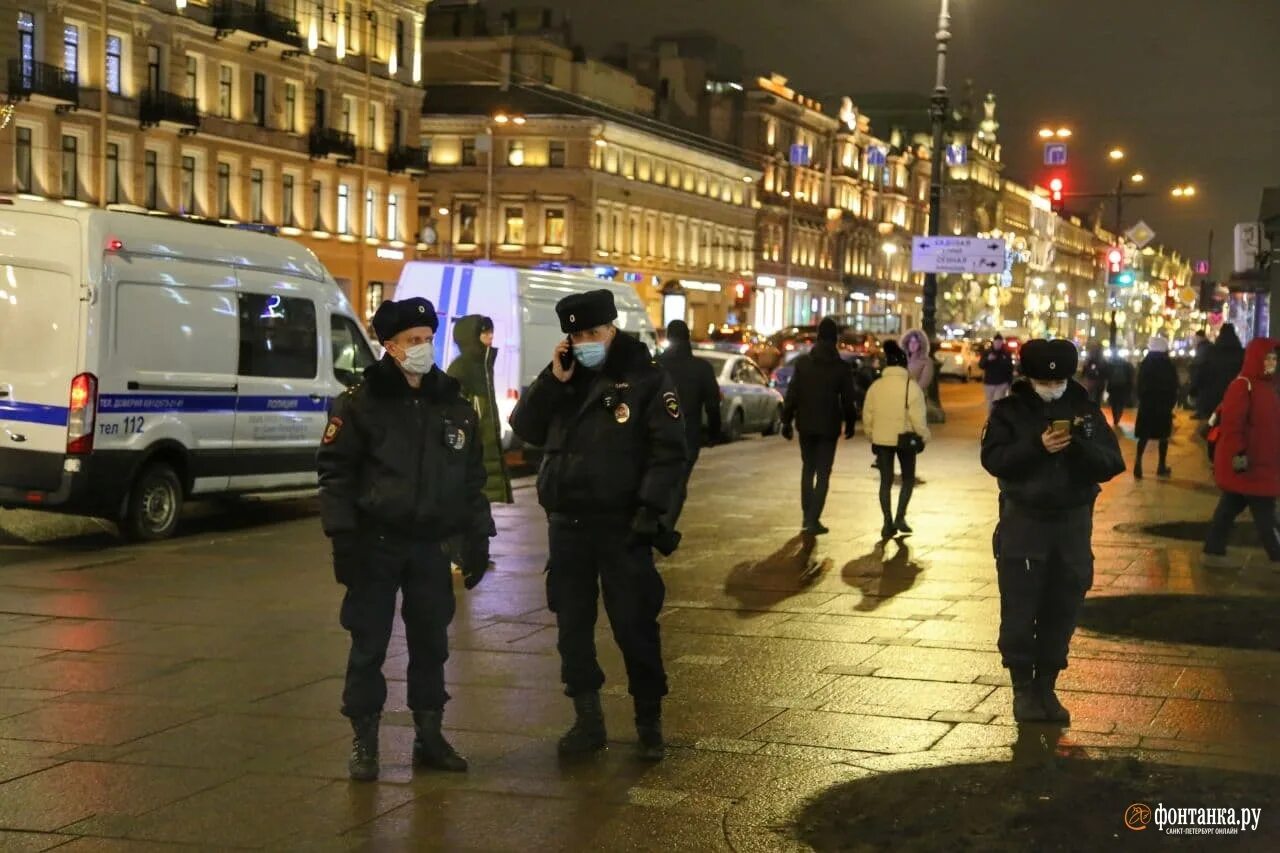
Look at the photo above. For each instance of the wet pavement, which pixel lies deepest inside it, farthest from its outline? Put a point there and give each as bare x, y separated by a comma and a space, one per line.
185, 694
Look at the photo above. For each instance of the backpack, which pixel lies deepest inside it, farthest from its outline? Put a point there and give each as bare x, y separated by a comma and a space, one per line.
1214, 432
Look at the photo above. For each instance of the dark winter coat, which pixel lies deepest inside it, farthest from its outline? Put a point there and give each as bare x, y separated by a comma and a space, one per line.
613, 438
997, 367
699, 391
473, 368
820, 397
1223, 364
1120, 375
1157, 396
403, 459
1251, 425
1034, 480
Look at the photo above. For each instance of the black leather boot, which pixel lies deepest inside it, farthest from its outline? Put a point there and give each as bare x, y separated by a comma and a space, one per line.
587, 733
1028, 706
430, 749
362, 766
1054, 712
649, 728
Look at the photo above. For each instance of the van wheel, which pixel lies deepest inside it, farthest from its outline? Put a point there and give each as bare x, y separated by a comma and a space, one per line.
155, 502
775, 423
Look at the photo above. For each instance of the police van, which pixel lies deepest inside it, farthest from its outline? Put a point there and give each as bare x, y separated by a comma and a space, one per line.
522, 305
146, 361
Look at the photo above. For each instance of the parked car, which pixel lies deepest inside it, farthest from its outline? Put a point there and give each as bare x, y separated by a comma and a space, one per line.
959, 359
865, 371
747, 403
743, 340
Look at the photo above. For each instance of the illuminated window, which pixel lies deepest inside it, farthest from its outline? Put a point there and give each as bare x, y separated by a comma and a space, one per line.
467, 217
515, 153
393, 216
513, 233
224, 191
187, 192
150, 180
70, 167
344, 209
255, 195
225, 75
114, 60
555, 227
113, 173
369, 230
291, 107
287, 213
317, 206
71, 49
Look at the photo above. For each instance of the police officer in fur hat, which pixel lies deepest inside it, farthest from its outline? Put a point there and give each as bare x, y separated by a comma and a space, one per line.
1050, 447
401, 471
612, 429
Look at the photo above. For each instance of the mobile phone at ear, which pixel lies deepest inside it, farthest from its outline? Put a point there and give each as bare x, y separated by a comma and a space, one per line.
566, 357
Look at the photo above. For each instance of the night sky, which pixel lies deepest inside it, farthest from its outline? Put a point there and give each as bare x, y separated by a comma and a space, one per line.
1187, 87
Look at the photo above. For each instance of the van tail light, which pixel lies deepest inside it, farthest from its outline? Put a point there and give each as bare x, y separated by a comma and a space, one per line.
83, 414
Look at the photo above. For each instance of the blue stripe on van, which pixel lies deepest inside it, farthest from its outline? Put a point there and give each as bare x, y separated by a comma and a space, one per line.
33, 413
464, 295
208, 403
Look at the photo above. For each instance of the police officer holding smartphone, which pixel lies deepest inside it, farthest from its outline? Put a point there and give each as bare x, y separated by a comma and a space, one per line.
401, 471
610, 424
1050, 447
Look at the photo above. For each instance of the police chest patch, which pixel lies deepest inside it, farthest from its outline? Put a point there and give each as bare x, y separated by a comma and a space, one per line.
622, 414
455, 437
332, 430
672, 404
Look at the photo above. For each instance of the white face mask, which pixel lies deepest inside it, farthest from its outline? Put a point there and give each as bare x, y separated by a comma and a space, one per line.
418, 360
1049, 393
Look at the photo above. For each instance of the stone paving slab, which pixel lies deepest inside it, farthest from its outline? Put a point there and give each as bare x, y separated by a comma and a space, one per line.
184, 695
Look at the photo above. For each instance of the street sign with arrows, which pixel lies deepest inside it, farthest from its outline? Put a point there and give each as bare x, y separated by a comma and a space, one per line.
976, 255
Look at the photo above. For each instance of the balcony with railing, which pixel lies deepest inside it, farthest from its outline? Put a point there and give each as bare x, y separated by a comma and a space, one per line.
403, 158
327, 142
158, 107
256, 19
28, 78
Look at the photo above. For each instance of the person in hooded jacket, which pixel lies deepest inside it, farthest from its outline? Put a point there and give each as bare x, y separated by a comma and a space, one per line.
401, 472
1050, 447
699, 393
1246, 460
1157, 398
473, 368
895, 405
611, 426
1221, 367
820, 399
919, 362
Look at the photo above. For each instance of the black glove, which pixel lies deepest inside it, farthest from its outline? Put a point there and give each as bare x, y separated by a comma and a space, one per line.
1240, 463
644, 528
475, 561
849, 431
788, 432
348, 557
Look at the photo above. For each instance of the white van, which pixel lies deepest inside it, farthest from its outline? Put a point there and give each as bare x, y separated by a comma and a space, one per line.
144, 361
522, 305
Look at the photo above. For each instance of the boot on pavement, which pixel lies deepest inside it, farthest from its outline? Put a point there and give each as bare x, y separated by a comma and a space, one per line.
1054, 712
587, 733
430, 749
1028, 705
649, 729
362, 766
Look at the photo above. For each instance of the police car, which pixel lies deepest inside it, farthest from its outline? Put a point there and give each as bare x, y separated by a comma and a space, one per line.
147, 361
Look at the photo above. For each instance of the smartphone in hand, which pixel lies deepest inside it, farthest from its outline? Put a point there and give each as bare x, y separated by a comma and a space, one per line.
566, 357
1063, 426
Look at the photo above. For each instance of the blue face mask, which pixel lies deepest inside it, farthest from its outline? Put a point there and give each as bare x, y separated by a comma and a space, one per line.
590, 354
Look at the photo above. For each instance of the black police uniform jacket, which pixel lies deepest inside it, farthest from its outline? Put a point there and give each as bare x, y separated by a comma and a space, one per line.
1046, 499
409, 461
613, 438
698, 389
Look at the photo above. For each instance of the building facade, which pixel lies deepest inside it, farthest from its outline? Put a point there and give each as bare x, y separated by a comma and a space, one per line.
299, 118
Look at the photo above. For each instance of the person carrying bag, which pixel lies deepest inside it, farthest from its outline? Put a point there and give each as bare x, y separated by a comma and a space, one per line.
898, 430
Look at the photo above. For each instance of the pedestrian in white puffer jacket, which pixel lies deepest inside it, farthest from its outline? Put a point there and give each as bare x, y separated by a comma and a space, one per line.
895, 404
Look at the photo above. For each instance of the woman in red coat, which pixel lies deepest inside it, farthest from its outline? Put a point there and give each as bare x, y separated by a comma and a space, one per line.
1246, 461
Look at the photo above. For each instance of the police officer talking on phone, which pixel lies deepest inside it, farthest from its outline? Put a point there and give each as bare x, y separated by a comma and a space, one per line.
1050, 447
610, 425
402, 470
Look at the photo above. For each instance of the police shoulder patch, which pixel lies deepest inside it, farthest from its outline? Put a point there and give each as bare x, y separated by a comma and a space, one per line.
332, 430
672, 404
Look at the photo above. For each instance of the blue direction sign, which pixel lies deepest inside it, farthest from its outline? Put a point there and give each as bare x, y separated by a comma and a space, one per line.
800, 155
1055, 154
957, 154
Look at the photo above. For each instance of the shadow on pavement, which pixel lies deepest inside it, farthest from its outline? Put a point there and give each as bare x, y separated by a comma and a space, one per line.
1243, 533
758, 585
880, 578
1231, 621
1047, 798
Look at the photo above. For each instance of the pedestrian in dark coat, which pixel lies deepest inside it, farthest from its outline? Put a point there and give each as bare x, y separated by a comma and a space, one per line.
1221, 367
1157, 398
1196, 369
1050, 447
613, 433
1094, 374
401, 472
699, 393
473, 368
997, 371
1120, 375
820, 400
1246, 461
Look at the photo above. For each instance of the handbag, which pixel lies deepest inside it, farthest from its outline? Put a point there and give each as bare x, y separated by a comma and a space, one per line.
910, 439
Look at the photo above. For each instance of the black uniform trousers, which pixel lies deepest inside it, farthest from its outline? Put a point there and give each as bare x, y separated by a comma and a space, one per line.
589, 555
422, 573
1039, 604
817, 456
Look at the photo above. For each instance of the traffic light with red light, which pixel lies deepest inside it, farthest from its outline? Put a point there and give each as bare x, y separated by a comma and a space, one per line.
1115, 260
741, 295
1056, 197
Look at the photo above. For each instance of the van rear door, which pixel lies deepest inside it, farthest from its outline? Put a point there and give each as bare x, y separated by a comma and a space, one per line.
40, 347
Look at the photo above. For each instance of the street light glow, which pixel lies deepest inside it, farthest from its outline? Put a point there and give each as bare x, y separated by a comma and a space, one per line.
1116, 154
1138, 177
519, 120
501, 118
889, 249
1064, 133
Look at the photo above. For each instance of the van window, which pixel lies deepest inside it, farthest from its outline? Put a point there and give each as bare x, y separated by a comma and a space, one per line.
175, 329
351, 354
277, 336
